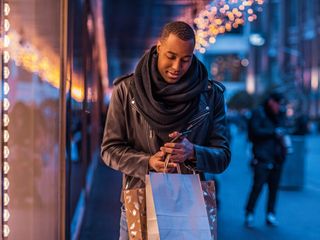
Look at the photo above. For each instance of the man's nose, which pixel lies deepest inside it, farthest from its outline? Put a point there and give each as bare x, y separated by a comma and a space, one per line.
176, 65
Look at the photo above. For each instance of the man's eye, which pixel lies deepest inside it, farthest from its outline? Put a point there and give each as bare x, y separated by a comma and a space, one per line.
186, 60
170, 57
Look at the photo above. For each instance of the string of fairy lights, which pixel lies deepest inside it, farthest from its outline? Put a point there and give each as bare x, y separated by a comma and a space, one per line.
222, 16
5, 119
35, 60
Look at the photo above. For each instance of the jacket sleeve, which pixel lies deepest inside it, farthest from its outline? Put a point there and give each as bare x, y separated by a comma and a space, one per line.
116, 151
215, 157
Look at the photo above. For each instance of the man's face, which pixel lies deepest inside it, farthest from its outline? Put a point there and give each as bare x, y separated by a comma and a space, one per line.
274, 106
174, 57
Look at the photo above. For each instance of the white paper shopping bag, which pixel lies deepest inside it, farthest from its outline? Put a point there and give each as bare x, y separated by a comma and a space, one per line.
176, 207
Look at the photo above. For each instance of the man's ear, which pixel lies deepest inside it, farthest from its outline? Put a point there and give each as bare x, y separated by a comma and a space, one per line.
158, 46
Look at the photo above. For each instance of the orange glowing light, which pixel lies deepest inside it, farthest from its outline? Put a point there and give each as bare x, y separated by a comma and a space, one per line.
44, 62
221, 16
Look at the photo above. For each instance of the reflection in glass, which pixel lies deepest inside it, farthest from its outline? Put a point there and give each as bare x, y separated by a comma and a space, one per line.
42, 61
33, 60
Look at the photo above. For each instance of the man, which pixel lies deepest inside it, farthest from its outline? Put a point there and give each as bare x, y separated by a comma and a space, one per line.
266, 132
168, 92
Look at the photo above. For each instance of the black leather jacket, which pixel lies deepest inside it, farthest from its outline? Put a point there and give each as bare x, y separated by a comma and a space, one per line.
129, 141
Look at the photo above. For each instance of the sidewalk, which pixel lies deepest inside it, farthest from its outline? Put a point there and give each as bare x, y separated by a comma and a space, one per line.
297, 211
102, 215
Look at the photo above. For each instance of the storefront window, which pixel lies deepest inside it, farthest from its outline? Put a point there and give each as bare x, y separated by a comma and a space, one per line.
32, 57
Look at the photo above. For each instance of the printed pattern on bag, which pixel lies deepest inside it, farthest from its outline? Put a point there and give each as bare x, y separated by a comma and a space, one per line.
211, 206
135, 206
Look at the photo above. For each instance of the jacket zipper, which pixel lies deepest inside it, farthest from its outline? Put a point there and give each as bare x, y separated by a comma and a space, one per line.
149, 132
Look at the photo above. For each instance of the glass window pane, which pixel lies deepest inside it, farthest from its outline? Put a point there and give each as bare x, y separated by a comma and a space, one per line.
34, 118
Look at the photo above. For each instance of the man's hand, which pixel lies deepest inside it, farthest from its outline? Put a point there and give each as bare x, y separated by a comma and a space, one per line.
156, 162
180, 151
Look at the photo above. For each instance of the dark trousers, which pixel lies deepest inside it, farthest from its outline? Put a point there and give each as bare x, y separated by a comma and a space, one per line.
264, 174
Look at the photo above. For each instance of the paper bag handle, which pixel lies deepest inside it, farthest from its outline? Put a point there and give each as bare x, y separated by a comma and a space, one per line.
166, 161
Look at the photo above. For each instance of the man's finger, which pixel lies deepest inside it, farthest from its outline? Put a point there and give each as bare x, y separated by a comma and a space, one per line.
170, 145
174, 145
176, 158
159, 164
174, 134
167, 150
172, 165
177, 152
159, 154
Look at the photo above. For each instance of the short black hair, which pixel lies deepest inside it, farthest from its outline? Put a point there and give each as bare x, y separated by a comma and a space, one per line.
277, 96
180, 29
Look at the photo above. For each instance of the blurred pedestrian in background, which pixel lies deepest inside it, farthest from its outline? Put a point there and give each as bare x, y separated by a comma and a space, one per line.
270, 144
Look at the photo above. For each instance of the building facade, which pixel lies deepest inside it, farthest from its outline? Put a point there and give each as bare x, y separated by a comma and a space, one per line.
289, 58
